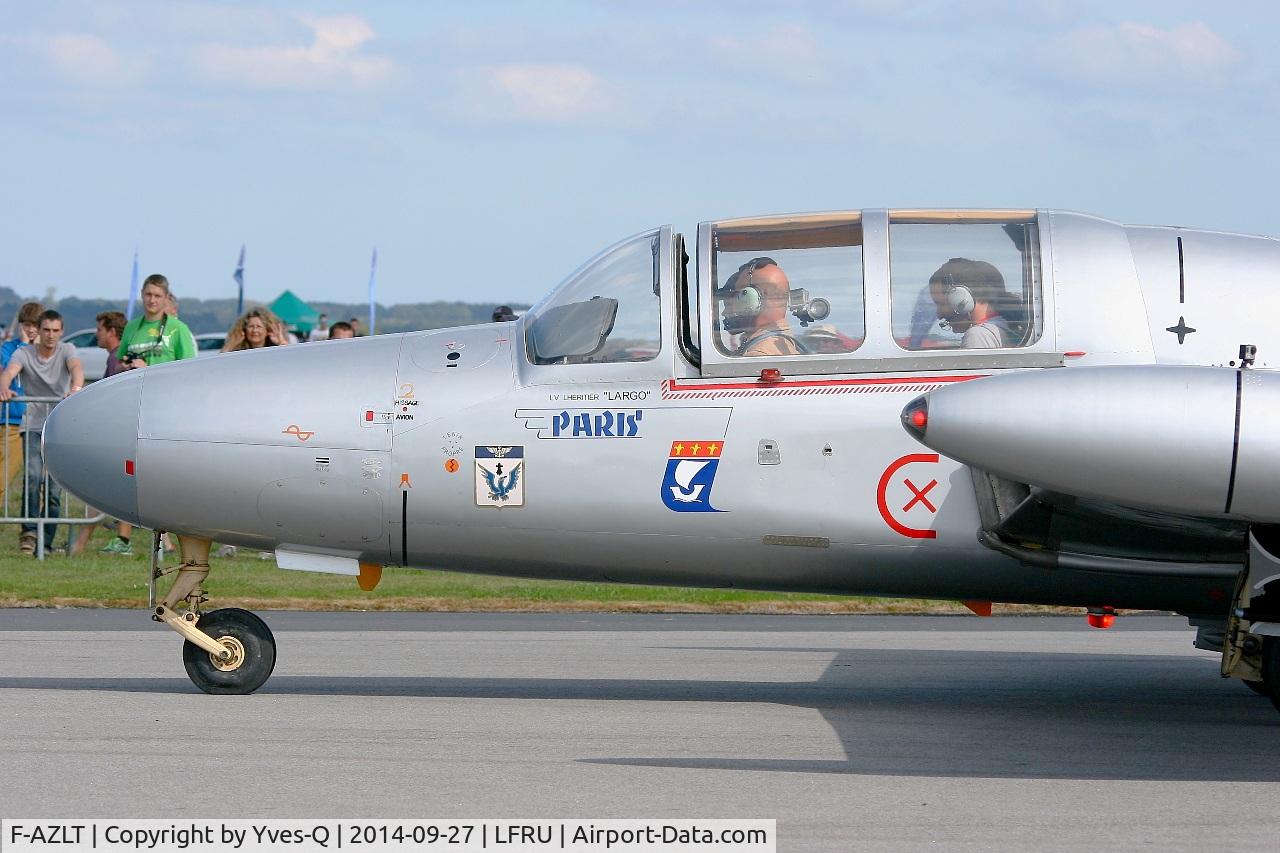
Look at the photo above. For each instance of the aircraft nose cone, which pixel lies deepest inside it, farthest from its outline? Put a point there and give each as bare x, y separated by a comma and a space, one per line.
90, 444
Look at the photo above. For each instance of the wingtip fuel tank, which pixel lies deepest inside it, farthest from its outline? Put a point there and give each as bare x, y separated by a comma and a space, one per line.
1186, 439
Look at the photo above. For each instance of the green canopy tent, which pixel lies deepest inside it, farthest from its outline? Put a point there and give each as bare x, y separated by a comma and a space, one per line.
295, 313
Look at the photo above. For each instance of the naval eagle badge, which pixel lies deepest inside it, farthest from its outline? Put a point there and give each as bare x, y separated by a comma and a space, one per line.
500, 476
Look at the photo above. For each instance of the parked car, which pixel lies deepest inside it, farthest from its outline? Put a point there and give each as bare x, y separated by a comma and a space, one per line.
93, 358
210, 343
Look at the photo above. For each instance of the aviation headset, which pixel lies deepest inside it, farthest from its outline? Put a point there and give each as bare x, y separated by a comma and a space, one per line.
959, 297
749, 300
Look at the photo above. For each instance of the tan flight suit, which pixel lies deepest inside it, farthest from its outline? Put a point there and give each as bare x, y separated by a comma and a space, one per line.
760, 342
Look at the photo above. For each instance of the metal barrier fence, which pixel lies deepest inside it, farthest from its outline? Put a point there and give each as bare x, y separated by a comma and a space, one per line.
33, 500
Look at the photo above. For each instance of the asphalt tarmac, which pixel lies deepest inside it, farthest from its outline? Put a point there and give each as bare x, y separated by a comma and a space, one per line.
854, 732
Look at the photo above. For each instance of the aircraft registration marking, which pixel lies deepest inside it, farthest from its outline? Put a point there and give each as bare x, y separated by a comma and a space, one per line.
673, 389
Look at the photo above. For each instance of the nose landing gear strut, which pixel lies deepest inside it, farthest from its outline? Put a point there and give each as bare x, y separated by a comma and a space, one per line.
1251, 647
228, 651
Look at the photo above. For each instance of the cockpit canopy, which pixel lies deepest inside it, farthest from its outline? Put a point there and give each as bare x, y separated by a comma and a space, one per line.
606, 312
812, 291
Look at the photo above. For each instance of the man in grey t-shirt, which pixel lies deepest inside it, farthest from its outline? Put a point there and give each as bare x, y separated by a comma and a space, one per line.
50, 368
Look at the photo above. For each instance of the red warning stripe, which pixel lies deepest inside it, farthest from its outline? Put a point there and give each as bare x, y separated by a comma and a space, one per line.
674, 389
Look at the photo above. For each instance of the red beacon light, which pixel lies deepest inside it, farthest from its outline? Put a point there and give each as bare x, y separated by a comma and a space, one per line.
771, 374
1101, 617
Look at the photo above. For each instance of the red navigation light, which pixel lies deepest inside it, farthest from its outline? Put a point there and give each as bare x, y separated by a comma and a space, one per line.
915, 417
771, 374
128, 467
1101, 617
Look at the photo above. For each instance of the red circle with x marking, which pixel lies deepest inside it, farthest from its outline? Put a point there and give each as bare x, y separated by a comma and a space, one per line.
919, 496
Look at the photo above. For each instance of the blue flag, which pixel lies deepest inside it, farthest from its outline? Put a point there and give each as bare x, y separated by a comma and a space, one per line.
373, 288
133, 287
238, 275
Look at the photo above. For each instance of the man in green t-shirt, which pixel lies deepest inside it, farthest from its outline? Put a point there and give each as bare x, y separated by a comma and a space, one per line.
156, 337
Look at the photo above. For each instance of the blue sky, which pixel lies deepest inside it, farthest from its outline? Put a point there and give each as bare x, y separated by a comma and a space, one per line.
486, 149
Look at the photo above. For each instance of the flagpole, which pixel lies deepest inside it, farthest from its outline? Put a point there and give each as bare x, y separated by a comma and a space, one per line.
133, 286
238, 275
373, 285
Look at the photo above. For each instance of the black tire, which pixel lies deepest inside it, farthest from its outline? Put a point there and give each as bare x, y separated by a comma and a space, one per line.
1271, 669
255, 665
1258, 687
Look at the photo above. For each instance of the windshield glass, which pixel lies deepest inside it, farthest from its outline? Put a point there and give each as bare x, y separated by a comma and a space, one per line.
606, 312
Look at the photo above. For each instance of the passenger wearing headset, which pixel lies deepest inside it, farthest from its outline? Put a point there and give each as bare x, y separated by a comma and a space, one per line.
969, 295
755, 302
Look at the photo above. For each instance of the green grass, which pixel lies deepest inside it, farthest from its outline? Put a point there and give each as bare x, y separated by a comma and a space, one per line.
99, 580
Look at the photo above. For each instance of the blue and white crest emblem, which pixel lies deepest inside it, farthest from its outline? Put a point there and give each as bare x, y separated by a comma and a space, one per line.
691, 472
500, 476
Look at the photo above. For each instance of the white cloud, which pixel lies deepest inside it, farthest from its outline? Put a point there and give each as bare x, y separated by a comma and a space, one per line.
547, 92
789, 52
333, 59
91, 60
1142, 53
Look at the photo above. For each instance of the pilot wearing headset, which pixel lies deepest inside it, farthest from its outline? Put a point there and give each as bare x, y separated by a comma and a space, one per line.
969, 295
755, 306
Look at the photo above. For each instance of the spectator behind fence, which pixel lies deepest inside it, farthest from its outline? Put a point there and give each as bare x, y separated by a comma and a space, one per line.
341, 330
110, 327
320, 332
256, 329
355, 326
27, 325
50, 368
158, 336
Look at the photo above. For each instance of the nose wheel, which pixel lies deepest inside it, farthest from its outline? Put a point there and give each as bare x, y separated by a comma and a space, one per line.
228, 651
252, 653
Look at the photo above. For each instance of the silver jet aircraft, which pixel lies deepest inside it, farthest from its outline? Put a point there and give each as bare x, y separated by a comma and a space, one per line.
1094, 401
